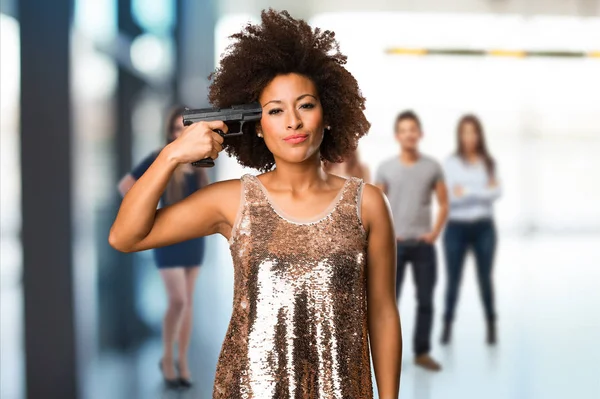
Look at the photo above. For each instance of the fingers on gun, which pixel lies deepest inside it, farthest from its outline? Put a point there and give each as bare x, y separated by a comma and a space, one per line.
217, 139
218, 125
217, 145
217, 148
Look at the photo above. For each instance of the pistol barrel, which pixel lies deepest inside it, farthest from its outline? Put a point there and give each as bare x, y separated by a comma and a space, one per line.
237, 113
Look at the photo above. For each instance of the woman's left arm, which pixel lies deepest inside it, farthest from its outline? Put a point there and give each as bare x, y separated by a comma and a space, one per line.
490, 192
384, 321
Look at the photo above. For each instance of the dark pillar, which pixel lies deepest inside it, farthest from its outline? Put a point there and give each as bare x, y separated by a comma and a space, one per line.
120, 325
9, 7
46, 199
179, 50
128, 88
195, 41
195, 50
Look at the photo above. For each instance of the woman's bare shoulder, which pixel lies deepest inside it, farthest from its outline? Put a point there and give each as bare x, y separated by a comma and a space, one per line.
224, 197
227, 184
225, 189
375, 206
336, 182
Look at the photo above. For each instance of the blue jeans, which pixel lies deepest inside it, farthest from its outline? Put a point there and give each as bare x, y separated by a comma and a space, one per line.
460, 237
423, 260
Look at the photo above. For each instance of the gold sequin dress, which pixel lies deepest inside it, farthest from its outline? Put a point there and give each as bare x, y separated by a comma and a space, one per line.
299, 322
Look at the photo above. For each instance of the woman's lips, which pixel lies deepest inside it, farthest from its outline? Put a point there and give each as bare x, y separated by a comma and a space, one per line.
296, 138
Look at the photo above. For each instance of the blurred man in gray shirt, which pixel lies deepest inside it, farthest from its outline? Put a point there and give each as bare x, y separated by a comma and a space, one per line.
409, 180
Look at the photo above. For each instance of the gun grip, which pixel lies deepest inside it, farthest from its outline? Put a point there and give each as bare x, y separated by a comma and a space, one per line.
207, 162
204, 163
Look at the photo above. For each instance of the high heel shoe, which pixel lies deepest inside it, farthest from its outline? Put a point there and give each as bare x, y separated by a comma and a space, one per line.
170, 383
184, 382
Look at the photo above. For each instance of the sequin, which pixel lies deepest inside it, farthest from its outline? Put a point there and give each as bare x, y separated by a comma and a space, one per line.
299, 323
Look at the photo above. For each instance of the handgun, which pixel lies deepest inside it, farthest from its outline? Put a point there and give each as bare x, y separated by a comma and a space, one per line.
233, 116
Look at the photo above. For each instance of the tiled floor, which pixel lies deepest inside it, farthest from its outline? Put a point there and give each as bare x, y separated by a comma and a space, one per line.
549, 327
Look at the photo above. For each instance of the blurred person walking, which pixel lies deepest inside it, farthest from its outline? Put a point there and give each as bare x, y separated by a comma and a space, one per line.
179, 263
410, 180
473, 183
351, 166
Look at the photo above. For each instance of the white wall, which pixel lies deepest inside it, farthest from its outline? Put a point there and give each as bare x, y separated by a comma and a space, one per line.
542, 116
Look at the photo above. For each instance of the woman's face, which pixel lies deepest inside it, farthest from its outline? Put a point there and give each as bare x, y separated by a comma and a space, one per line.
469, 137
292, 118
177, 127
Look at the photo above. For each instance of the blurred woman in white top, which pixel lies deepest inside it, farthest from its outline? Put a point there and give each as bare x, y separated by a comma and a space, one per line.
472, 179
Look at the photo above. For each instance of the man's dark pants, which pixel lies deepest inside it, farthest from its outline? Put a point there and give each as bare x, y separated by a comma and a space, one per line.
422, 257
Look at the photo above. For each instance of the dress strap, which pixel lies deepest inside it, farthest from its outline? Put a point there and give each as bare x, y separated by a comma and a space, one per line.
245, 182
353, 191
351, 202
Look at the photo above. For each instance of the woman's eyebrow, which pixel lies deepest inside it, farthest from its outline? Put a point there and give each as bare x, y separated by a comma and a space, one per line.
272, 101
306, 95
298, 99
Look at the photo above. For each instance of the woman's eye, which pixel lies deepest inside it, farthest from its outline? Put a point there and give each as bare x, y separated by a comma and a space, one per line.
274, 111
307, 105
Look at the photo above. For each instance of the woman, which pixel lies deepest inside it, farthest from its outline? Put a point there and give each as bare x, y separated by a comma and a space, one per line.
472, 181
350, 167
300, 238
178, 264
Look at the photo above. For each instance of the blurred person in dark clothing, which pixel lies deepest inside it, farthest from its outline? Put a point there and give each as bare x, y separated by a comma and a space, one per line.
472, 179
349, 167
178, 264
410, 179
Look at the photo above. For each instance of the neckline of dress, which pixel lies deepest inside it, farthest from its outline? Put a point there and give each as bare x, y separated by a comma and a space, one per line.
316, 219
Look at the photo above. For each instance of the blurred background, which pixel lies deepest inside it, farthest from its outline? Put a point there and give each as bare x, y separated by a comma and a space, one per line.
84, 88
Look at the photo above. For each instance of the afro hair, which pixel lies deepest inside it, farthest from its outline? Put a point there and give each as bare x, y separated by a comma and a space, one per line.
281, 45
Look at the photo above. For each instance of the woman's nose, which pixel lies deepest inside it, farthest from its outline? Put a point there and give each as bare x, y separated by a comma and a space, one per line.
294, 121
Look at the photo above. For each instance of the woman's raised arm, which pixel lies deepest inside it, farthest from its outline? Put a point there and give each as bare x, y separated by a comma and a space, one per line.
139, 225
